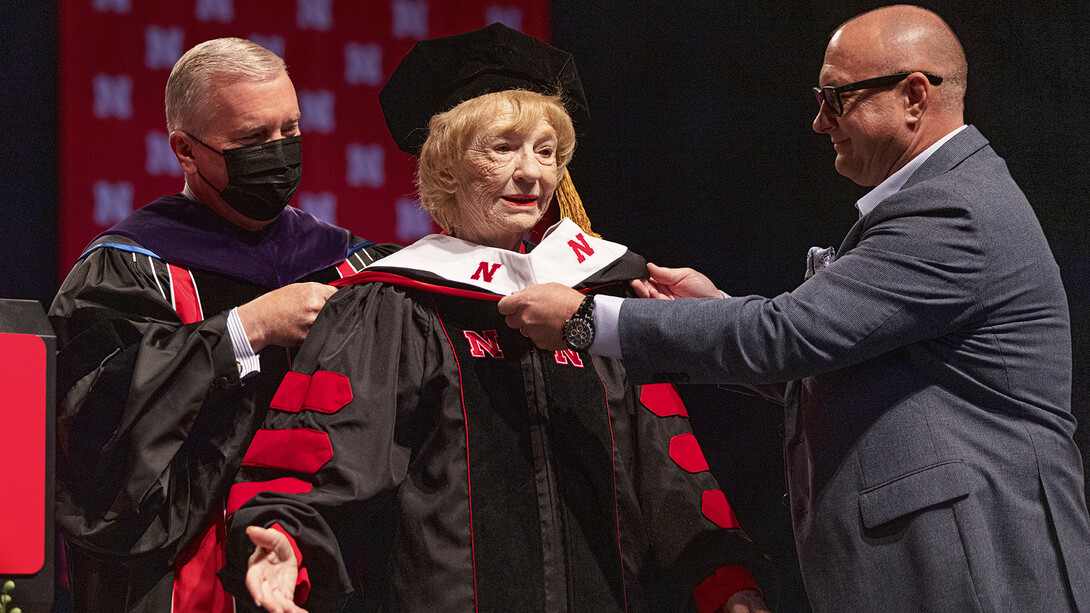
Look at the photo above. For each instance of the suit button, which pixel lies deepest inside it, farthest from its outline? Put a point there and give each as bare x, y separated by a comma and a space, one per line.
786, 500
222, 383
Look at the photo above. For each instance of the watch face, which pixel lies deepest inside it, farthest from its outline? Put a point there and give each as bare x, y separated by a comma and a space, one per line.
579, 333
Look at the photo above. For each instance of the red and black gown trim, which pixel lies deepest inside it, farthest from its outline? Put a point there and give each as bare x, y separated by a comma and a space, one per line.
472, 471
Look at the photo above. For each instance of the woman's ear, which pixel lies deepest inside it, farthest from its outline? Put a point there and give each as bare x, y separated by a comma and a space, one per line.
447, 181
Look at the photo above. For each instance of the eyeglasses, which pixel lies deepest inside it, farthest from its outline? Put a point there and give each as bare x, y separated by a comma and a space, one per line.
831, 95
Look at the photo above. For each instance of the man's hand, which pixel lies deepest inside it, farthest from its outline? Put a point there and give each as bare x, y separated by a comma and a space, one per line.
272, 572
745, 601
283, 316
670, 283
539, 312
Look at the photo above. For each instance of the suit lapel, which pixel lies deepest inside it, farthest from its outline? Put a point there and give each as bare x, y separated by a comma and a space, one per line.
954, 152
852, 237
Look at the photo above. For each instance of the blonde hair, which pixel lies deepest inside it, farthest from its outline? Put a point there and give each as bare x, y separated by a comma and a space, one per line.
450, 134
190, 99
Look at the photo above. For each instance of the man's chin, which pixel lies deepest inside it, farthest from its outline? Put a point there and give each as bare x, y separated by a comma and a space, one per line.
843, 168
853, 173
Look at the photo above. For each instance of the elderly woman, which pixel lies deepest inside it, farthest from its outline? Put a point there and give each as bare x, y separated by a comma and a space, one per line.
432, 458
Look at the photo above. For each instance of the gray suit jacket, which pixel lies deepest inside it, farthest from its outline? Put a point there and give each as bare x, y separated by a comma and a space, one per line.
928, 431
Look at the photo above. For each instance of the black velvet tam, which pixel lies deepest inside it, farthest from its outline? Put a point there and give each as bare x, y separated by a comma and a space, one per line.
437, 75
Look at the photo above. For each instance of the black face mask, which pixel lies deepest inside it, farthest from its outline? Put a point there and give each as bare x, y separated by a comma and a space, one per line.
261, 179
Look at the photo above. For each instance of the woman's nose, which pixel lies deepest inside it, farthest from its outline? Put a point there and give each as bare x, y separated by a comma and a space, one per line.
527, 167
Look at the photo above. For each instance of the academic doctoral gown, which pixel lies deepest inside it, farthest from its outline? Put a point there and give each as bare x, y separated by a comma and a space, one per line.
153, 417
431, 457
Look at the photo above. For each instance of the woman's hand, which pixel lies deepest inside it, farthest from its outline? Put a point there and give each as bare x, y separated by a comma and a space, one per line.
272, 571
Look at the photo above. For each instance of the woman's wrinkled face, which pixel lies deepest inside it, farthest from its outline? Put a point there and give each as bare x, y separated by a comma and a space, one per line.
505, 181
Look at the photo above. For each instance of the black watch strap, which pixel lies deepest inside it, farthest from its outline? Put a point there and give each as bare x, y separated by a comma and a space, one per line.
579, 329
586, 307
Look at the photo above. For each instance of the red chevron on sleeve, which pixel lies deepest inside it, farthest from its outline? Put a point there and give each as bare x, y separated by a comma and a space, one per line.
325, 391
662, 400
293, 389
242, 492
715, 507
297, 449
686, 453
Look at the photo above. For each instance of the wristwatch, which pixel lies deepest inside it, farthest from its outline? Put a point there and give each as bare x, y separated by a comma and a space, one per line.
579, 329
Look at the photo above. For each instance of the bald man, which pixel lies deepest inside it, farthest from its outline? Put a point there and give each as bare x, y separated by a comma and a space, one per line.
925, 372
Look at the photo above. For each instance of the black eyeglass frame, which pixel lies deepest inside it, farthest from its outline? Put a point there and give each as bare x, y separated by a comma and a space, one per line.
831, 95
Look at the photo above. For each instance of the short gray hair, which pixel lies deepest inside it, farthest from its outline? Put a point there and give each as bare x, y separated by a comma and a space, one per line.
189, 100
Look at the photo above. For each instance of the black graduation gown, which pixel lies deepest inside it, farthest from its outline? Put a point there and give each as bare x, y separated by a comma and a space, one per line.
153, 417
458, 468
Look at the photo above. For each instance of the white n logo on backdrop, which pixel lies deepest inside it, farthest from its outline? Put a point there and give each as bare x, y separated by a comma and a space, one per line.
314, 14
322, 205
316, 108
363, 64
366, 165
159, 157
113, 201
410, 19
413, 222
215, 10
113, 96
510, 16
271, 42
162, 46
120, 7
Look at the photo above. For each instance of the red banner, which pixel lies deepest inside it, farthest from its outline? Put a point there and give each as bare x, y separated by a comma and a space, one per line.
115, 56
23, 454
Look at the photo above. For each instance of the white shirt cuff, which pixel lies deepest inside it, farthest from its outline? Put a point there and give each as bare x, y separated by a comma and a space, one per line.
248, 361
607, 336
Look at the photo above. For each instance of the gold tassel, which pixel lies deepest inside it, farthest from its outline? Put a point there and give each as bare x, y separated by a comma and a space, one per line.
571, 206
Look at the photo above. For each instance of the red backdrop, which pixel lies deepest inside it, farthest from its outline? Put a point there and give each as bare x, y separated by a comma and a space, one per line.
115, 56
